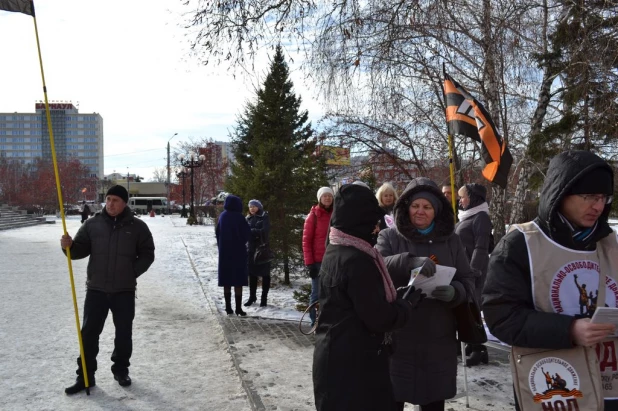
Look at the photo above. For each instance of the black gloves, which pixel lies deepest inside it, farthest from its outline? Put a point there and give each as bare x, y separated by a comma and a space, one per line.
411, 295
314, 270
429, 267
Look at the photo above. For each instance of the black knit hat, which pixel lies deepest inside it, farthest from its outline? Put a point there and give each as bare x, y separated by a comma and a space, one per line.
118, 191
596, 181
356, 211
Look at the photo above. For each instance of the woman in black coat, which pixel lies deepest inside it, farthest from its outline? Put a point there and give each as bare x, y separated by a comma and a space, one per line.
358, 310
260, 229
232, 234
424, 365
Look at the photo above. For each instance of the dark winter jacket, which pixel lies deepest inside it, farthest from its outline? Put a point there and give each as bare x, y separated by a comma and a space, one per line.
315, 231
121, 249
232, 234
350, 363
260, 230
85, 211
507, 297
474, 233
424, 365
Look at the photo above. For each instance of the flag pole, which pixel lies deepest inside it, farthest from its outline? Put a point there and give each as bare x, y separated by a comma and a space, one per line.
61, 204
451, 165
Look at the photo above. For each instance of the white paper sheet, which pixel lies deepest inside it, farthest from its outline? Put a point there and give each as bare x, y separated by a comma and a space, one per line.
443, 276
606, 315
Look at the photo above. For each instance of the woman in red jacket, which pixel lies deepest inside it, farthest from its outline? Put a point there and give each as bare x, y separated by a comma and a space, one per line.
314, 240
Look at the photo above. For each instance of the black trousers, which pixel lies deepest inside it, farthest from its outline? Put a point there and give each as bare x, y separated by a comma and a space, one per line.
96, 307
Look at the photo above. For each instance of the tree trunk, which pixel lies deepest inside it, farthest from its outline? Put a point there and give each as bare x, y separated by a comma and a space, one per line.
517, 211
496, 207
517, 208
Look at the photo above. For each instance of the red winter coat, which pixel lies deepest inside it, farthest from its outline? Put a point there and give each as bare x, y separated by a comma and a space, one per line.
314, 234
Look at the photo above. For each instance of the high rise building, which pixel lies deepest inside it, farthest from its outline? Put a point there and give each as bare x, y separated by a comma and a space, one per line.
25, 137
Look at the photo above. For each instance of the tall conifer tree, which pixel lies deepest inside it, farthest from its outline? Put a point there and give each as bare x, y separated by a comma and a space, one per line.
275, 161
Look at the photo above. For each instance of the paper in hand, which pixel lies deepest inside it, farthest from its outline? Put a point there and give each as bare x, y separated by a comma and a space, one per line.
606, 315
443, 276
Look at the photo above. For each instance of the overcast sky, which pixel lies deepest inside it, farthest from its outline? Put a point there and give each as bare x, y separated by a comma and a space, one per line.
128, 61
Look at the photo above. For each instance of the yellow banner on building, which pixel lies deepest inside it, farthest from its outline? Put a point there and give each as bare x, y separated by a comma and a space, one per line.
335, 156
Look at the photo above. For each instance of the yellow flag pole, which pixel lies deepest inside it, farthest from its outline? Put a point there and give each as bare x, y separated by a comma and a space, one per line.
61, 203
452, 172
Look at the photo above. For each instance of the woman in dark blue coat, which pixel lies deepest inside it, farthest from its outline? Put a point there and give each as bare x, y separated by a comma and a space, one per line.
232, 234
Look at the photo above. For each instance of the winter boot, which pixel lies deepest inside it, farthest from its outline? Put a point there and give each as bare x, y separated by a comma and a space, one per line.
477, 356
228, 303
252, 290
239, 311
79, 385
265, 288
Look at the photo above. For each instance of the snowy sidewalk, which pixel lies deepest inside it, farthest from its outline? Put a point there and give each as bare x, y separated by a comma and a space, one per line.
187, 354
180, 358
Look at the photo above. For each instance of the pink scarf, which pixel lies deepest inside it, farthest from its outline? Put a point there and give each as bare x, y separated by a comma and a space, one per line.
338, 237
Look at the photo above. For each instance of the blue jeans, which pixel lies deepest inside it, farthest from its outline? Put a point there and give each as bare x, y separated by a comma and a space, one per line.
315, 294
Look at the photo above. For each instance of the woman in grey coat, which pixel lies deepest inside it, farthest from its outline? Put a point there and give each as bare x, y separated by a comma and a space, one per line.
424, 366
474, 230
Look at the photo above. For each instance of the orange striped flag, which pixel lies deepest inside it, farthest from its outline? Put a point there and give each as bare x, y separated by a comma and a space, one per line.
467, 117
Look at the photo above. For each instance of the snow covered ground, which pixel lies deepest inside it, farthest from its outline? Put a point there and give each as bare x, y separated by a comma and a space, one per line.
182, 359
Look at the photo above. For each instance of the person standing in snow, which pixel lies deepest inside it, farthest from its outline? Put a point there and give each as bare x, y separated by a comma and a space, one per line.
315, 231
259, 222
530, 298
232, 233
359, 308
474, 230
424, 365
121, 249
85, 211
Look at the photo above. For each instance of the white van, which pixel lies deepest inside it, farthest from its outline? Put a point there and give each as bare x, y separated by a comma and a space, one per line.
143, 205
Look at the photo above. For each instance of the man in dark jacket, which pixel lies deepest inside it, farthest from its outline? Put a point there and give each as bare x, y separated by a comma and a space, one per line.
121, 249
571, 227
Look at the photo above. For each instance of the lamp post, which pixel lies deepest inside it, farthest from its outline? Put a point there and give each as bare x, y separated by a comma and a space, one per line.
167, 189
182, 174
128, 191
191, 162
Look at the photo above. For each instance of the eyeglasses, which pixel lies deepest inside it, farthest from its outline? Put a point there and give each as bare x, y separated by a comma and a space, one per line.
591, 199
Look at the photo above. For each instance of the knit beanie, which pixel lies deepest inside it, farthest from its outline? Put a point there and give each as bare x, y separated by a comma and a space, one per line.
325, 190
256, 203
435, 202
596, 181
118, 191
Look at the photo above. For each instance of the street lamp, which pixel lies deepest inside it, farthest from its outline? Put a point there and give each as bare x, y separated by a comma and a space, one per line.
192, 162
167, 190
182, 174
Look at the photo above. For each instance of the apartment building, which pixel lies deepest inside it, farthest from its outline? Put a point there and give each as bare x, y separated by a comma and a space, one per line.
25, 136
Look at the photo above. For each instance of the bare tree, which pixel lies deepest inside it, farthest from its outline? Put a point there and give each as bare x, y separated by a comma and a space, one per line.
159, 175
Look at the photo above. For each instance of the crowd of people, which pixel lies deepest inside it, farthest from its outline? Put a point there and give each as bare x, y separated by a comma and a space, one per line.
380, 341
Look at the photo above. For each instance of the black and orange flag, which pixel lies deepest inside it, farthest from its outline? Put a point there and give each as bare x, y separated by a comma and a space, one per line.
19, 6
467, 117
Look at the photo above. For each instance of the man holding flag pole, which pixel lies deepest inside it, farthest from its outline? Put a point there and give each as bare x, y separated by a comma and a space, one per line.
27, 7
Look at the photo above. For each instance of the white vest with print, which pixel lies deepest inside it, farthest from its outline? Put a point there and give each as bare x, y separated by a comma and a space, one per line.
566, 281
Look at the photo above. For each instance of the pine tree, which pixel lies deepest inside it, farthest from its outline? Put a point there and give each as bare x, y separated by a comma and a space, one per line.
275, 161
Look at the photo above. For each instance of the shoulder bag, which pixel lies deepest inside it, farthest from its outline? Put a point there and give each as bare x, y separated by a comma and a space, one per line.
263, 253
